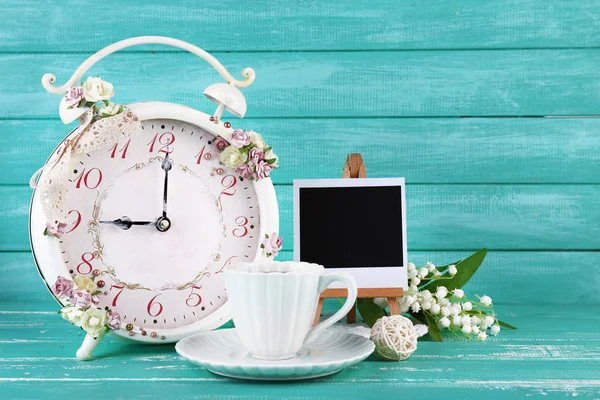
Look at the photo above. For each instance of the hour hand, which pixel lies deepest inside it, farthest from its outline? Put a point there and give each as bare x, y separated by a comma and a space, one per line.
126, 223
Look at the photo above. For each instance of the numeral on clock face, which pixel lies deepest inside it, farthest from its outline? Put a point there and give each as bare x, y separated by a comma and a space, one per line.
152, 304
85, 267
194, 299
89, 182
123, 150
114, 302
166, 139
77, 221
228, 183
241, 230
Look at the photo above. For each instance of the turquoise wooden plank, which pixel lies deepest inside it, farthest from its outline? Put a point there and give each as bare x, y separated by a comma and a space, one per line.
439, 217
309, 25
332, 84
428, 150
508, 277
534, 359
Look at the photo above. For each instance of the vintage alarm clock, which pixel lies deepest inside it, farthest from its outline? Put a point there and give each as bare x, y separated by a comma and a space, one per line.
138, 211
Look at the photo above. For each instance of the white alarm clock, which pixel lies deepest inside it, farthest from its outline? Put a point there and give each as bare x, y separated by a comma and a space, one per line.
153, 217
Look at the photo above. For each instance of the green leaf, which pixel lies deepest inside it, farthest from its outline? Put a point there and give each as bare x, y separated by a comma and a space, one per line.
46, 232
271, 161
507, 326
267, 149
434, 329
466, 268
106, 102
369, 311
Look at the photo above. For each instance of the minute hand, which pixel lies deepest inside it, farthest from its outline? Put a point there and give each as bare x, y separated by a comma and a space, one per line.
126, 223
166, 166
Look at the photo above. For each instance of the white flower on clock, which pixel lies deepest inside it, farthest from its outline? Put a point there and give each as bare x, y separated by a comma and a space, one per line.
110, 110
84, 283
258, 141
232, 157
93, 321
72, 314
95, 90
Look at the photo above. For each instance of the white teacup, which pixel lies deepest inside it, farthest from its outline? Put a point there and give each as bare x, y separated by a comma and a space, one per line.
274, 304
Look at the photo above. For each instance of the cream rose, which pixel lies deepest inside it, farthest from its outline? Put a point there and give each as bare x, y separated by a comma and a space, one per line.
95, 90
110, 110
232, 157
93, 321
257, 139
72, 314
270, 155
85, 283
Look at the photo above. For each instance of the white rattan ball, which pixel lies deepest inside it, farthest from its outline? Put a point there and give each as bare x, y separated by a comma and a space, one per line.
394, 337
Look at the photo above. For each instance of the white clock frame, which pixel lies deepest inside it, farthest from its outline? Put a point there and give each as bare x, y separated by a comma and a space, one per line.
46, 250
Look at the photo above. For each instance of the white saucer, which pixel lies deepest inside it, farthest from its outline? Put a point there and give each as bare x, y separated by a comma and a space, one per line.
221, 353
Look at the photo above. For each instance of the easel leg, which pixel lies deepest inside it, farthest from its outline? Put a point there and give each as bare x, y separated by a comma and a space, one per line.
394, 306
351, 317
319, 310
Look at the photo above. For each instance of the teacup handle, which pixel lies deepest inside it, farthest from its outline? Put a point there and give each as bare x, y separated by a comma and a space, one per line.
324, 281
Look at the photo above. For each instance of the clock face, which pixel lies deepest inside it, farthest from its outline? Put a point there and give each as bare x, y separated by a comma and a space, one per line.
166, 275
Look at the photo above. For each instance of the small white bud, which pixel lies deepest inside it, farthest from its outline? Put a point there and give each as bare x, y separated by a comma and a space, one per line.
444, 302
483, 327
437, 274
426, 294
495, 329
466, 329
445, 322
380, 301
468, 306
426, 305
489, 321
452, 270
411, 267
430, 266
441, 292
403, 308
459, 293
465, 320
482, 336
475, 320
475, 329
409, 300
435, 309
457, 320
415, 307
445, 311
423, 272
415, 281
486, 301
413, 273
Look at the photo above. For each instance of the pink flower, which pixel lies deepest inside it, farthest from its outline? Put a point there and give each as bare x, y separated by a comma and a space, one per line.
74, 96
114, 321
63, 287
56, 230
245, 171
240, 138
220, 143
81, 299
262, 170
256, 155
95, 300
272, 244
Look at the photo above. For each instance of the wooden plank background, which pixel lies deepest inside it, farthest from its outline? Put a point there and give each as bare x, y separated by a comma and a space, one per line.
489, 109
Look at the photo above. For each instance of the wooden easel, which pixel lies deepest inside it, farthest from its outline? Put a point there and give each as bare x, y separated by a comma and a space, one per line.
355, 168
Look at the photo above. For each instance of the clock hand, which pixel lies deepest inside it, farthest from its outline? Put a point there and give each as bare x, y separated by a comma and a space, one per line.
126, 223
166, 166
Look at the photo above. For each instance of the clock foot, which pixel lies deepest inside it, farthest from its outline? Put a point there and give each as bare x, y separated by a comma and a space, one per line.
88, 346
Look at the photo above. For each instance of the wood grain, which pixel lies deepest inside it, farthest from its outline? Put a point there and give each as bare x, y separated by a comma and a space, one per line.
509, 277
333, 84
310, 25
423, 150
40, 364
439, 217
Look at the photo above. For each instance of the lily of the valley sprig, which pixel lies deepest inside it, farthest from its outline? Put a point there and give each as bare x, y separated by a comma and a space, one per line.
248, 154
435, 298
91, 92
81, 297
